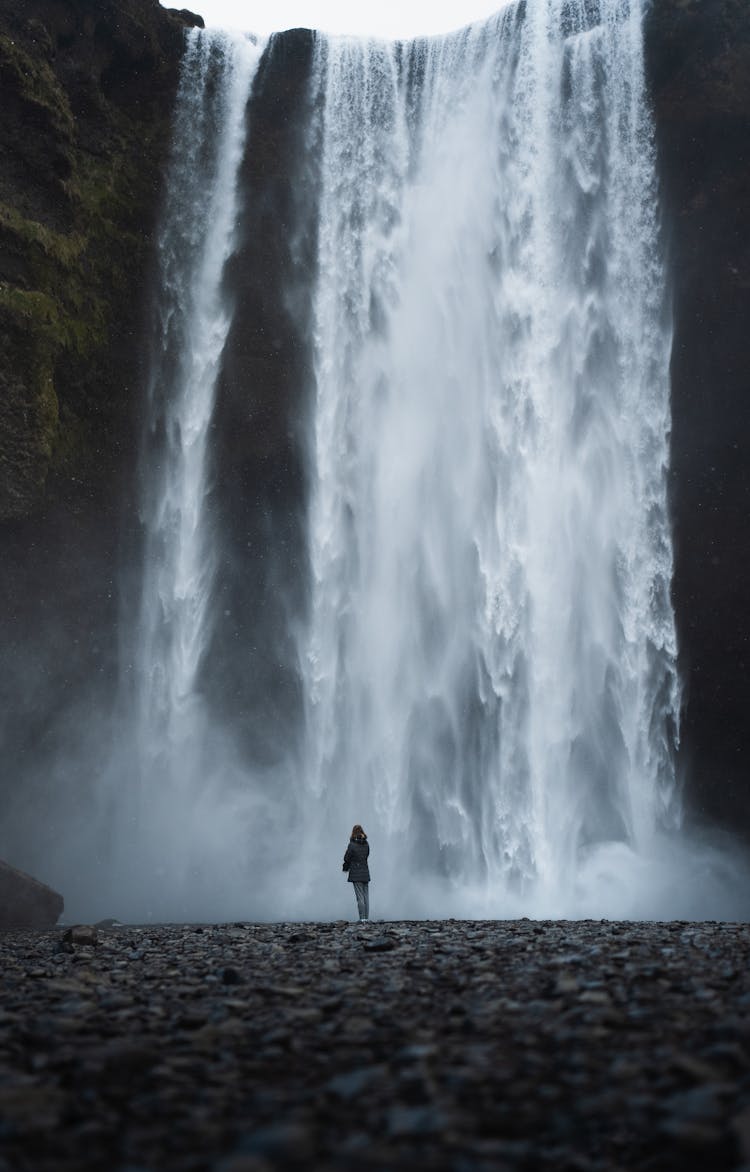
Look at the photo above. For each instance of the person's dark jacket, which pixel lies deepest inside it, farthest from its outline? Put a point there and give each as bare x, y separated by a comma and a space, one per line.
355, 860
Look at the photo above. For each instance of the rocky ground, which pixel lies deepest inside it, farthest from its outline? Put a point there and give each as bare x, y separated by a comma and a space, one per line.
441, 1045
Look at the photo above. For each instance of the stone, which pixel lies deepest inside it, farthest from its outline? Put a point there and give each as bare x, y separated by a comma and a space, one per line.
278, 1140
25, 902
188, 18
364, 1061
355, 1082
380, 944
84, 934
415, 1121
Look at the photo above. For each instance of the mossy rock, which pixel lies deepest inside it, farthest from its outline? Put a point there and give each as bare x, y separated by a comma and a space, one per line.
29, 410
88, 90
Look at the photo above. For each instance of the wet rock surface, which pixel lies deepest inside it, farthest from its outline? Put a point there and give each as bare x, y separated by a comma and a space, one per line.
25, 902
698, 66
463, 1046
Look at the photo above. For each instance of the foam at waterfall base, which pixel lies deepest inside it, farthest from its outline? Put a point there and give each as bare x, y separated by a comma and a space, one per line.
239, 868
677, 879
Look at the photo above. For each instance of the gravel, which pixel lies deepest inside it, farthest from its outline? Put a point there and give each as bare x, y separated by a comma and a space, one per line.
462, 1045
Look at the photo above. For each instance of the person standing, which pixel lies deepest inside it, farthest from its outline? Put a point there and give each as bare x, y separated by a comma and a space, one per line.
355, 862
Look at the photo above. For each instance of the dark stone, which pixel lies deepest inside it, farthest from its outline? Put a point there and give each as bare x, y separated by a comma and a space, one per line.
698, 65
356, 1082
279, 1140
414, 1121
360, 1065
81, 934
25, 902
380, 944
189, 19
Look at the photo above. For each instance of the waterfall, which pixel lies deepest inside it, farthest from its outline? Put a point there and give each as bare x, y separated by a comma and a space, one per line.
175, 743
486, 645
490, 660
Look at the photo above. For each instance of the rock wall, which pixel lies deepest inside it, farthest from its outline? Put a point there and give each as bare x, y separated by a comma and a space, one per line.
264, 387
86, 92
698, 54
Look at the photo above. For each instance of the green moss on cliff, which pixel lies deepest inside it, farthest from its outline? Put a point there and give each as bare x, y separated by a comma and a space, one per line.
47, 317
28, 406
87, 97
65, 249
34, 80
56, 301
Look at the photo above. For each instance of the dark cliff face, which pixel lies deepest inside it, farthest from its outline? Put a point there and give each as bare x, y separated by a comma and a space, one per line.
86, 94
698, 59
259, 422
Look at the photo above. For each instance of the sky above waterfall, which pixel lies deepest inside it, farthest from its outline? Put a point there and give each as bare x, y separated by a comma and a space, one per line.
388, 18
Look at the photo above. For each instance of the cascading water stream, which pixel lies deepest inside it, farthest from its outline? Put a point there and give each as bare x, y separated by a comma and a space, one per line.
198, 235
490, 665
487, 660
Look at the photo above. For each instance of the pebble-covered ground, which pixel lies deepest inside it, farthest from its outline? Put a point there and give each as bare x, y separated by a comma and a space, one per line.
432, 1045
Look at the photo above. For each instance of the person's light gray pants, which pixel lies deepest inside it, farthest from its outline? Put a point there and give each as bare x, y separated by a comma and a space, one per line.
362, 892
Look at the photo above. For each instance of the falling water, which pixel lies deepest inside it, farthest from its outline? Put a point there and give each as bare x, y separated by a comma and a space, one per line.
174, 742
490, 663
487, 658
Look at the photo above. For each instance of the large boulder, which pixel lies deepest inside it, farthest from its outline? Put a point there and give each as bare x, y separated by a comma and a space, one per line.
25, 902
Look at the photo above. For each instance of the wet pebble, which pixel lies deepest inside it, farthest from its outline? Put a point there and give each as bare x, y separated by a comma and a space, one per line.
252, 1047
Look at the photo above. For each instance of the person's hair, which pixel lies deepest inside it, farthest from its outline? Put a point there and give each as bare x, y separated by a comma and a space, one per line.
358, 831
